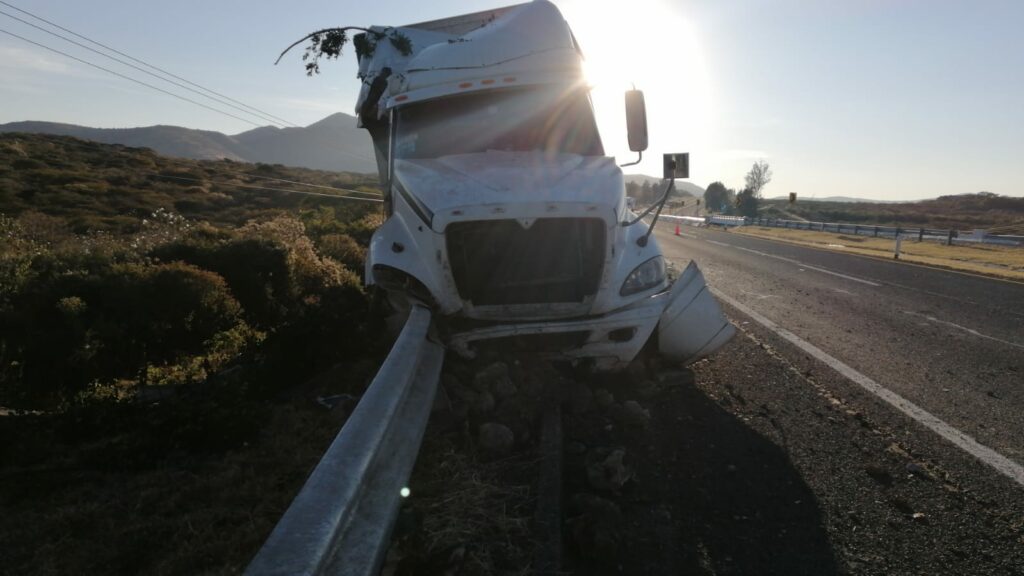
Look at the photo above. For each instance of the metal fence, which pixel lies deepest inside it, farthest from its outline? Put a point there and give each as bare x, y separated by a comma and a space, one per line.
922, 234
858, 229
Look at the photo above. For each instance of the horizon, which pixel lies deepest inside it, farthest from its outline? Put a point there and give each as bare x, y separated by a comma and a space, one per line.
874, 100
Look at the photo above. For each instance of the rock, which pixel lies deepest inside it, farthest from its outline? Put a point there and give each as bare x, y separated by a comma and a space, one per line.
918, 470
492, 377
503, 388
637, 369
618, 414
482, 404
675, 377
635, 414
603, 398
609, 474
495, 439
531, 387
581, 399
647, 389
596, 529
879, 474
518, 414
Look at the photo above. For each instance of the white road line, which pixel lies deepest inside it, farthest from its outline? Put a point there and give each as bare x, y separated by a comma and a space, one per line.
963, 441
964, 328
798, 263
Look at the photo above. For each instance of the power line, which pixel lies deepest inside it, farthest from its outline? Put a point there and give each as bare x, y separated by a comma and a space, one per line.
144, 63
249, 186
307, 184
129, 78
140, 69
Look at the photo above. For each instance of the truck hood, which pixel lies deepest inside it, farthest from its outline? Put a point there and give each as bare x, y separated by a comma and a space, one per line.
497, 184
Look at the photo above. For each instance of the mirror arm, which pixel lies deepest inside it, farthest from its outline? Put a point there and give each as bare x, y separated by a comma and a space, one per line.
639, 157
642, 241
659, 204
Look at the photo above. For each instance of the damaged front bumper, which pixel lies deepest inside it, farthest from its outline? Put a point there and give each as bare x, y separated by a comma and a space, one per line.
689, 321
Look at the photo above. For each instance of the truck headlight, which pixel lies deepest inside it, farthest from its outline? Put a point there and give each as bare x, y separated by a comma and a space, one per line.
644, 277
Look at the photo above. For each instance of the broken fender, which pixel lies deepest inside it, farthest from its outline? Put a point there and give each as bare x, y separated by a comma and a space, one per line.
692, 325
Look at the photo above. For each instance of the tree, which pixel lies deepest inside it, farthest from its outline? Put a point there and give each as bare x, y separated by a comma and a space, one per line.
758, 177
327, 43
746, 203
646, 193
715, 197
633, 190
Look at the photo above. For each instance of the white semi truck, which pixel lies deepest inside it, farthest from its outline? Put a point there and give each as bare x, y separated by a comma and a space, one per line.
504, 214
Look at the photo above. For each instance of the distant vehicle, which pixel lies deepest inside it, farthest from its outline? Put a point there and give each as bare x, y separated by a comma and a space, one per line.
630, 202
504, 214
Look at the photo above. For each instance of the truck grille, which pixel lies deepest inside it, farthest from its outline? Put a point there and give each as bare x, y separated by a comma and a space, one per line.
498, 262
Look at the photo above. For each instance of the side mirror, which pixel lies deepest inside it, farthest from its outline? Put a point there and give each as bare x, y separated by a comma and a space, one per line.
636, 120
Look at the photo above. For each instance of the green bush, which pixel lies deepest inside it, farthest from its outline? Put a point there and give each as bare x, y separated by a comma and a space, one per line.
344, 249
65, 331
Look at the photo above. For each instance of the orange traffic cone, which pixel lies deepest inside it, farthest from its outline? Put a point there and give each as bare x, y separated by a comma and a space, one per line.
677, 229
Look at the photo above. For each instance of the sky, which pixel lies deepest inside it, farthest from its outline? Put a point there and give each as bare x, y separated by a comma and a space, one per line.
880, 99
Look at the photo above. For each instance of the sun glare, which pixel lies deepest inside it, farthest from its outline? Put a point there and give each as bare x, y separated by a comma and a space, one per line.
648, 44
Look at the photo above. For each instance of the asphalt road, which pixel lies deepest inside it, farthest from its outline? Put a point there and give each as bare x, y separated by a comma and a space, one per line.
951, 343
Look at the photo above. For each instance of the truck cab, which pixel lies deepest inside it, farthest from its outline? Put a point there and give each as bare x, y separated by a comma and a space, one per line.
504, 214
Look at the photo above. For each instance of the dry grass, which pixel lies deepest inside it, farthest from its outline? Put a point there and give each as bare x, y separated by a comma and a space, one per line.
482, 511
111, 506
999, 261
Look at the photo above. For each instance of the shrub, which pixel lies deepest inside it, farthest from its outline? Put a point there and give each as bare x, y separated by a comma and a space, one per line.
65, 331
344, 249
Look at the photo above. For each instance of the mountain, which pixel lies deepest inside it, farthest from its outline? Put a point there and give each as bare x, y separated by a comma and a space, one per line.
848, 199
334, 143
681, 185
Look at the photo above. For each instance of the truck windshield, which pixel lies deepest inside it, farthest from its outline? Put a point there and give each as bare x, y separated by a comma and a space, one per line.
548, 119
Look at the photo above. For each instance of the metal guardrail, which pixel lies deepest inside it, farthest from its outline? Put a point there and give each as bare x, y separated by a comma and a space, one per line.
856, 229
947, 236
340, 523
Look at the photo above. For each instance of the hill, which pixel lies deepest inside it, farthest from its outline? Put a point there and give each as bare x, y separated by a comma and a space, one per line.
111, 187
962, 212
849, 199
334, 143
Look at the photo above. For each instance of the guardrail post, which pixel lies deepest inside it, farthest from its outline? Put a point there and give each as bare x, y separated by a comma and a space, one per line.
896, 251
876, 231
920, 235
856, 230
949, 239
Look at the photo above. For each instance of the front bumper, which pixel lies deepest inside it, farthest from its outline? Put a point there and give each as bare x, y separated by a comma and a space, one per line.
689, 320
